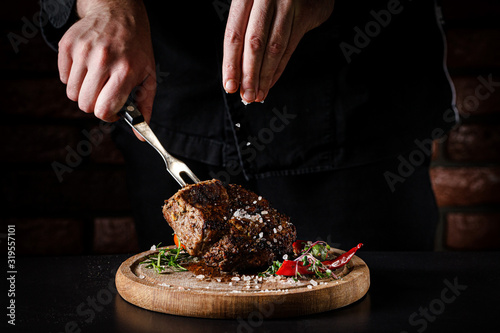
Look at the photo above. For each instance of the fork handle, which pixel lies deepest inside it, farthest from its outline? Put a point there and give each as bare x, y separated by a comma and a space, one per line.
131, 113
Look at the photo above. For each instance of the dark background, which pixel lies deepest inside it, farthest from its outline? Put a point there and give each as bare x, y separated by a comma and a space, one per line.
87, 210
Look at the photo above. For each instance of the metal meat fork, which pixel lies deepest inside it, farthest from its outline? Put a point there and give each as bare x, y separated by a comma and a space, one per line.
176, 168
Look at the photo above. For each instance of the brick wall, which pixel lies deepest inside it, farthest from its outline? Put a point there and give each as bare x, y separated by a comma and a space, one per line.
87, 210
466, 166
83, 210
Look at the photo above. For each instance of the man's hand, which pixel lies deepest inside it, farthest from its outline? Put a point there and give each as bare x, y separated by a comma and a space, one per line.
260, 38
107, 53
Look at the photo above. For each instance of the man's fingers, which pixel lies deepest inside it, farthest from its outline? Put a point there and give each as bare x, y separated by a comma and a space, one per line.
64, 63
293, 42
255, 45
234, 38
75, 80
144, 98
64, 58
112, 97
280, 32
91, 87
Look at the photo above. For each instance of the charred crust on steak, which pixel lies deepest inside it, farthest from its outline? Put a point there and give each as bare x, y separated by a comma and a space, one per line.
228, 226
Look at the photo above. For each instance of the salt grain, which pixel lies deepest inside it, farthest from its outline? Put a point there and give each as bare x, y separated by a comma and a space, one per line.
309, 286
261, 235
201, 276
243, 214
235, 278
314, 283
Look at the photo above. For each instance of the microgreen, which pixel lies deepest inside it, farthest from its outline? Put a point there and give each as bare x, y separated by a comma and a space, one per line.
167, 258
272, 269
310, 260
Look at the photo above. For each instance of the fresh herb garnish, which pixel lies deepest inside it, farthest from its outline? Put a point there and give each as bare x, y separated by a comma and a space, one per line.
311, 259
172, 258
272, 269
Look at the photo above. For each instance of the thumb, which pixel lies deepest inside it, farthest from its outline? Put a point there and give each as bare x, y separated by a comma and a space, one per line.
144, 98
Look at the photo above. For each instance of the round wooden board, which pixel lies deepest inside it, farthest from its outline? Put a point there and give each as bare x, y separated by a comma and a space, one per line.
184, 294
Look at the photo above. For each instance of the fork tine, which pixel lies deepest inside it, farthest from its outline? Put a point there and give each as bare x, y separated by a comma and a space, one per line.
176, 168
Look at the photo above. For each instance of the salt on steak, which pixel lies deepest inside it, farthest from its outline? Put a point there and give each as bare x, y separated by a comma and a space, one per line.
228, 226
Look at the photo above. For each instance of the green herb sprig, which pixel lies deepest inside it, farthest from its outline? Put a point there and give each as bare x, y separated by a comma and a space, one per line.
272, 269
168, 258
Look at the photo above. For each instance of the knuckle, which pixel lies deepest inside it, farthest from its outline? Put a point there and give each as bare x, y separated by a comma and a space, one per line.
103, 55
275, 48
256, 43
265, 79
248, 79
230, 68
84, 49
233, 37
84, 106
103, 113
71, 93
64, 45
125, 68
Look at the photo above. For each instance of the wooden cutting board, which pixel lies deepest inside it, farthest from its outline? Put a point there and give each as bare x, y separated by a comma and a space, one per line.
187, 294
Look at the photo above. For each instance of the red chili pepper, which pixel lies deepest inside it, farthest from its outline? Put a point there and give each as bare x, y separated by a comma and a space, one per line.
298, 246
343, 259
291, 267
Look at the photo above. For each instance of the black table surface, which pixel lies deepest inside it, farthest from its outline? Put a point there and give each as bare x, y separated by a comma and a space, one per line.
409, 292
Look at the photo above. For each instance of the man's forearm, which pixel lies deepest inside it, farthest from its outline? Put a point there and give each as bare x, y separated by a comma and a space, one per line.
84, 7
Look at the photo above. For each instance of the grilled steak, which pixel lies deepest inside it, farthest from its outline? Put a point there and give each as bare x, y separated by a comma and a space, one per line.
230, 227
